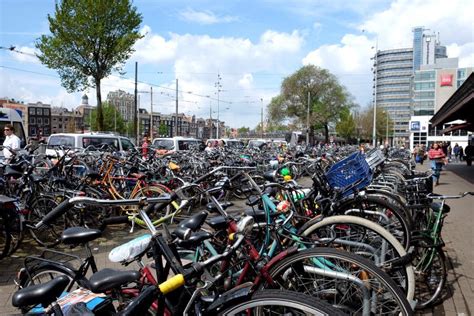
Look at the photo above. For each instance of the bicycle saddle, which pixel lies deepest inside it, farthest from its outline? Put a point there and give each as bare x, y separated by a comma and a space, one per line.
108, 279
217, 222
194, 222
11, 172
212, 208
194, 240
79, 235
43, 294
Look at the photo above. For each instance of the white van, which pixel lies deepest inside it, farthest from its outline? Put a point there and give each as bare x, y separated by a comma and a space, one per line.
11, 116
82, 141
177, 143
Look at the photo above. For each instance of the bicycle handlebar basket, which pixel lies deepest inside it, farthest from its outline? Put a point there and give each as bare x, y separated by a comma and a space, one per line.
350, 174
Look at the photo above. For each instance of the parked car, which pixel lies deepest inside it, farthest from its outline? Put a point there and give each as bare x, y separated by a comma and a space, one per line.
230, 143
178, 143
86, 140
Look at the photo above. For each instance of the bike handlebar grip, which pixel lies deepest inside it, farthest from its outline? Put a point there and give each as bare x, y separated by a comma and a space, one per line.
172, 284
55, 213
161, 206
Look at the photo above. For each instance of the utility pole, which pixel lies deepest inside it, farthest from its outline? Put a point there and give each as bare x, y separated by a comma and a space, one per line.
307, 118
261, 99
135, 114
176, 118
218, 86
386, 128
151, 113
374, 130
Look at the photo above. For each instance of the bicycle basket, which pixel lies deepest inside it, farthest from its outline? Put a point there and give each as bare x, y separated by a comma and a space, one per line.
345, 173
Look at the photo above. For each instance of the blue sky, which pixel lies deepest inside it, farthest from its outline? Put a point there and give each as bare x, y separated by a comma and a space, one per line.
252, 44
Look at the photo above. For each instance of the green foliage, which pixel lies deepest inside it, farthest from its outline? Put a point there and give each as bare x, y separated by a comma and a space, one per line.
346, 127
163, 129
365, 122
327, 99
89, 39
243, 130
112, 117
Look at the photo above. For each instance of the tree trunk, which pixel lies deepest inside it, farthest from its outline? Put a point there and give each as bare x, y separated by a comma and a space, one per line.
326, 133
100, 115
311, 135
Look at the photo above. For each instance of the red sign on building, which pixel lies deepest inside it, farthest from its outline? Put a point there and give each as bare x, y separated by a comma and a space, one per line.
446, 80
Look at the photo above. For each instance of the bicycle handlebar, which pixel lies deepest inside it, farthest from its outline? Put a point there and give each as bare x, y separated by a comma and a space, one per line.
446, 197
68, 204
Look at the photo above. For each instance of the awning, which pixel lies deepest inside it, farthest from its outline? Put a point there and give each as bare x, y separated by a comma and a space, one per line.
455, 127
460, 106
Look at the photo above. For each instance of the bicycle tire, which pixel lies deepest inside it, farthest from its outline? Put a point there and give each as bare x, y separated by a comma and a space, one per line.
48, 235
426, 294
5, 236
278, 300
399, 250
290, 272
399, 224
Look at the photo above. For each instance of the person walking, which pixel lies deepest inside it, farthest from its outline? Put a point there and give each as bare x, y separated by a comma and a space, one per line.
421, 154
469, 152
456, 152
461, 153
12, 143
145, 146
437, 157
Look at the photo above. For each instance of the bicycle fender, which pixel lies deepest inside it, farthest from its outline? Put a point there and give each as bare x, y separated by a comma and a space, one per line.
237, 295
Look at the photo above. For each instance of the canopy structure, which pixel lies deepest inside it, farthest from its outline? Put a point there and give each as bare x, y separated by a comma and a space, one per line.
460, 106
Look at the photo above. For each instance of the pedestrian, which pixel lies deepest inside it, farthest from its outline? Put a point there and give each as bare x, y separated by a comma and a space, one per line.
145, 146
456, 152
469, 152
421, 154
450, 150
12, 143
415, 153
437, 158
461, 153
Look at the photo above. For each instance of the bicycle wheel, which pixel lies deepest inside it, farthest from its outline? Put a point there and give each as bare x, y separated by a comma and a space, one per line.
347, 281
48, 235
363, 237
5, 236
431, 273
382, 212
277, 302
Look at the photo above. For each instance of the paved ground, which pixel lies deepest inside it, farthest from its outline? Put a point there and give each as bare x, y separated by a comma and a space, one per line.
458, 234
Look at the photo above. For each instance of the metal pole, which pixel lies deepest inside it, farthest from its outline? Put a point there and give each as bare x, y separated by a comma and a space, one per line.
386, 128
261, 133
307, 119
218, 85
151, 113
176, 118
135, 116
374, 131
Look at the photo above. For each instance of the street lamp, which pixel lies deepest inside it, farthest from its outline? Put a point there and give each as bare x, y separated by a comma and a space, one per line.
374, 131
261, 133
218, 86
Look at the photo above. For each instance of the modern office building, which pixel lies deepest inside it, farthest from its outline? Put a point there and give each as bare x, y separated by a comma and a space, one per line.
394, 69
401, 84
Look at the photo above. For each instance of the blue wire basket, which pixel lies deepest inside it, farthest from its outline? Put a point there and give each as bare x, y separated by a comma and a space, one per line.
345, 173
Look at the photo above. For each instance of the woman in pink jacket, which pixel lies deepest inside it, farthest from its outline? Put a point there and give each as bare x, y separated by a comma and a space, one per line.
437, 157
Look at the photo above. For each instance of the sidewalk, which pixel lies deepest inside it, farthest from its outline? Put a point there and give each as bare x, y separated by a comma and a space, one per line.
458, 234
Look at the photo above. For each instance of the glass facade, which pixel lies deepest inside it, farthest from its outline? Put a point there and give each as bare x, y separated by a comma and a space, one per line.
417, 48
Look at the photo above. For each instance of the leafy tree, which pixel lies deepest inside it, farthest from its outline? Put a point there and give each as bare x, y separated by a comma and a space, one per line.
327, 99
243, 130
89, 39
113, 119
365, 123
346, 127
163, 129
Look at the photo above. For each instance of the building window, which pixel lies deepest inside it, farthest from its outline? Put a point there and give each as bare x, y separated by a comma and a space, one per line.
46, 112
31, 111
32, 120
39, 111
39, 121
46, 121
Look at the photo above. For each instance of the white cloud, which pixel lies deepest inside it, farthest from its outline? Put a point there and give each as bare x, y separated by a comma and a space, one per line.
392, 28
246, 81
205, 17
153, 48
